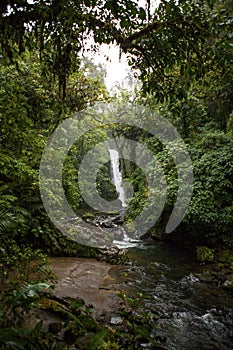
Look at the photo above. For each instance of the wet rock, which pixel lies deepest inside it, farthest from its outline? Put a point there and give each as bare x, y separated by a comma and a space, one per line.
104, 318
116, 320
130, 227
55, 327
69, 336
220, 279
190, 279
228, 284
81, 278
160, 338
145, 345
215, 345
112, 255
119, 220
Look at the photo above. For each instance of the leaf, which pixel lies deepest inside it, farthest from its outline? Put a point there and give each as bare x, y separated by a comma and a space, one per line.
31, 289
37, 328
142, 13
97, 340
7, 220
142, 331
14, 338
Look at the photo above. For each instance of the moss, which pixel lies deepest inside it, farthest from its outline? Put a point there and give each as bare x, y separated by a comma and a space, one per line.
225, 255
130, 227
205, 254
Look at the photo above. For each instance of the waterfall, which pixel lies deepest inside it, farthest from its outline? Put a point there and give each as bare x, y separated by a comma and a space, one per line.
117, 175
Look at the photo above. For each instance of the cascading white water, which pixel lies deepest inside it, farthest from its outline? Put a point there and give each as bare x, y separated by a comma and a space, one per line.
117, 175
116, 178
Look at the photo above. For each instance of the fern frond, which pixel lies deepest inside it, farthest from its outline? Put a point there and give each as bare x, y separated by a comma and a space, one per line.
7, 220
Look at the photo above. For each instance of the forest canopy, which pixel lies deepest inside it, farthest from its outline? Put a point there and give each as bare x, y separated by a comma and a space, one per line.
172, 46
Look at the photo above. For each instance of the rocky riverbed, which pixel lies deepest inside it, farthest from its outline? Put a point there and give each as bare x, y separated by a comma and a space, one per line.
160, 299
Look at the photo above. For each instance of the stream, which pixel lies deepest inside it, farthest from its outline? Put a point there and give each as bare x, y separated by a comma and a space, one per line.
186, 314
189, 314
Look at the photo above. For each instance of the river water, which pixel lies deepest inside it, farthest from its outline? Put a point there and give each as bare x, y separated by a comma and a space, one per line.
189, 314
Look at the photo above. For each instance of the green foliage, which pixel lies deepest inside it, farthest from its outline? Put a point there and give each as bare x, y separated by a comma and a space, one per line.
205, 254
174, 47
7, 220
183, 55
97, 340
131, 302
59, 32
18, 302
184, 60
183, 52
22, 338
211, 208
210, 213
30, 109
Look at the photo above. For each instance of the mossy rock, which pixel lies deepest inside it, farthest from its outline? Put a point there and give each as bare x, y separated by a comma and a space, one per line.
205, 254
88, 215
130, 227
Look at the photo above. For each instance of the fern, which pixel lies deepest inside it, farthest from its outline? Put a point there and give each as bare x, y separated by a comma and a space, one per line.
97, 340
10, 218
7, 220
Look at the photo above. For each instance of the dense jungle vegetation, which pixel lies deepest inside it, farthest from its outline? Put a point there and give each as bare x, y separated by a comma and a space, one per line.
182, 52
